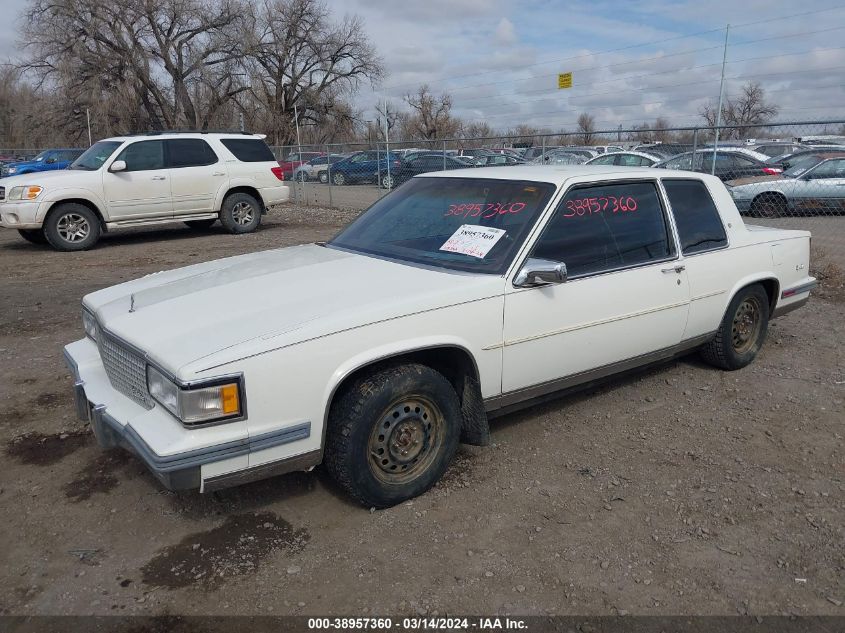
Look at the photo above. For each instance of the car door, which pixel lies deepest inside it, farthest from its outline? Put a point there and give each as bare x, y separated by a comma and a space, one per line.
626, 295
821, 189
142, 190
196, 175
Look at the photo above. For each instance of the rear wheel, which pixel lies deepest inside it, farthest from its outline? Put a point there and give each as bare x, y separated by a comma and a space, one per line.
769, 205
388, 181
301, 176
201, 224
742, 331
241, 213
36, 236
71, 227
392, 434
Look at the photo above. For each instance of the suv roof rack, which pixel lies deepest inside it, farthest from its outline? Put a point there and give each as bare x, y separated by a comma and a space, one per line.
188, 131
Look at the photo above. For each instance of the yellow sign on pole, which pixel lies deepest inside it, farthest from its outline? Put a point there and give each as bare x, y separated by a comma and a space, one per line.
564, 80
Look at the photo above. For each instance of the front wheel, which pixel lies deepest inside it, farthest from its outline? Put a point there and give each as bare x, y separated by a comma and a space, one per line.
339, 179
392, 434
742, 331
301, 176
768, 205
241, 213
71, 226
36, 236
323, 177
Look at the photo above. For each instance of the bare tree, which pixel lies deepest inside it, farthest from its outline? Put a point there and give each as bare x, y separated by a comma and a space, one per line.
748, 109
431, 117
477, 130
297, 55
651, 132
586, 128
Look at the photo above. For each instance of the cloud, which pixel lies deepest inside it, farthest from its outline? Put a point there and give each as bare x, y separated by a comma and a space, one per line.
505, 32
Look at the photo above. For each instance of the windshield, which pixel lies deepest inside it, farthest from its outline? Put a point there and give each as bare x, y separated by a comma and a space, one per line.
94, 157
467, 224
800, 165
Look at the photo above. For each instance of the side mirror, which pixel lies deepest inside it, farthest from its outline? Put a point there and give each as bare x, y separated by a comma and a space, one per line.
540, 272
118, 165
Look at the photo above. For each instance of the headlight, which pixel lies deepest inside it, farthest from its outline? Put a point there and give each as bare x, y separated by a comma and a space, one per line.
11, 170
199, 403
90, 324
30, 192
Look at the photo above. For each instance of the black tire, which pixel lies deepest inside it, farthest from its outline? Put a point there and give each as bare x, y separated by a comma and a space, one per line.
378, 419
742, 331
323, 177
302, 176
201, 224
339, 179
769, 205
71, 227
241, 213
36, 236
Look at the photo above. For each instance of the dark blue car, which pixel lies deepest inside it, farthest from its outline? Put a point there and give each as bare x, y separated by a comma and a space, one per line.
363, 167
47, 160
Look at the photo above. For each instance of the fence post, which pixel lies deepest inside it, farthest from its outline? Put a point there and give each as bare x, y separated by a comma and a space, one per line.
694, 143
543, 155
329, 174
444, 155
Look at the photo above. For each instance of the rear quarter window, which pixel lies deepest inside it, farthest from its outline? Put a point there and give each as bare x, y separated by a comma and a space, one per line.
249, 150
696, 216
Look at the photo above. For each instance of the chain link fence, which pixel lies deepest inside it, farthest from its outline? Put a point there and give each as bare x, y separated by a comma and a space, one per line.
789, 175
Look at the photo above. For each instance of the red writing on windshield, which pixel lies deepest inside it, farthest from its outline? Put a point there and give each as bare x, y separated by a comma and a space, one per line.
485, 210
587, 206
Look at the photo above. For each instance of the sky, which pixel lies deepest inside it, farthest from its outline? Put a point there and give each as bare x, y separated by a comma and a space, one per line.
631, 60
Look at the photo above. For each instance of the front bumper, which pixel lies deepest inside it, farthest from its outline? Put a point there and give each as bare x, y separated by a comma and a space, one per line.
20, 215
181, 459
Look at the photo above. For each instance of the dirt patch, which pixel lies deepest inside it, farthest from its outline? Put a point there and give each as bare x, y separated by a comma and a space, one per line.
235, 548
51, 400
42, 450
97, 477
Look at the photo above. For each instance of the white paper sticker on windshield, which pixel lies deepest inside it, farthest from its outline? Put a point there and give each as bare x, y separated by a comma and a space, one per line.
473, 240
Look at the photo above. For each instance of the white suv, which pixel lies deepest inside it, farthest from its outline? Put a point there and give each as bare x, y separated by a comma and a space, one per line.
196, 178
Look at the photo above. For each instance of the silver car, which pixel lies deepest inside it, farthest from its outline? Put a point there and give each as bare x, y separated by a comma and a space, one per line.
808, 187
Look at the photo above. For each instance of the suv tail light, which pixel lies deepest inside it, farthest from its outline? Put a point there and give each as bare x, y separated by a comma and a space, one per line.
772, 171
278, 173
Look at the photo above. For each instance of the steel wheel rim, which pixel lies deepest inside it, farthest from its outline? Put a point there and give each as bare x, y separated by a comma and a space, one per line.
73, 227
406, 440
387, 181
746, 324
242, 213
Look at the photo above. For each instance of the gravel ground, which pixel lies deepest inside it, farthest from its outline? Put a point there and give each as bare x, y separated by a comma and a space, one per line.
678, 490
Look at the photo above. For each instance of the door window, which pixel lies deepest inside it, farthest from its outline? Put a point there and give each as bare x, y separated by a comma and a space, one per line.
143, 156
605, 227
699, 225
189, 152
829, 169
604, 160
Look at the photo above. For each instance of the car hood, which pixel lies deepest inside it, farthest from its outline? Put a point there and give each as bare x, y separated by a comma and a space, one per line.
191, 319
750, 180
48, 177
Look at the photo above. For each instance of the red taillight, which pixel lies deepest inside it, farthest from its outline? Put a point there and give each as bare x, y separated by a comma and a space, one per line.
772, 171
278, 173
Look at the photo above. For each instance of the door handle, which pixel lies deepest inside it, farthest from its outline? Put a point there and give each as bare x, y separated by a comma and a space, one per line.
159, 177
675, 269
218, 173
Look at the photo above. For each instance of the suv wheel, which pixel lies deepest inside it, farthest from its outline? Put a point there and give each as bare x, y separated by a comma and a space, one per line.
241, 213
36, 236
72, 227
392, 434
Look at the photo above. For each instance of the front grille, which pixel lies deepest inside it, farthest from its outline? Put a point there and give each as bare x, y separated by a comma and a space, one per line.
126, 369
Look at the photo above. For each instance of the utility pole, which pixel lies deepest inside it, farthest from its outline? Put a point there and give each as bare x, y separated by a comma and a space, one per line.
721, 95
387, 139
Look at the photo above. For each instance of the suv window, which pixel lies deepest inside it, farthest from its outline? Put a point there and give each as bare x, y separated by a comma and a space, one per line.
600, 228
189, 152
143, 155
249, 150
699, 225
